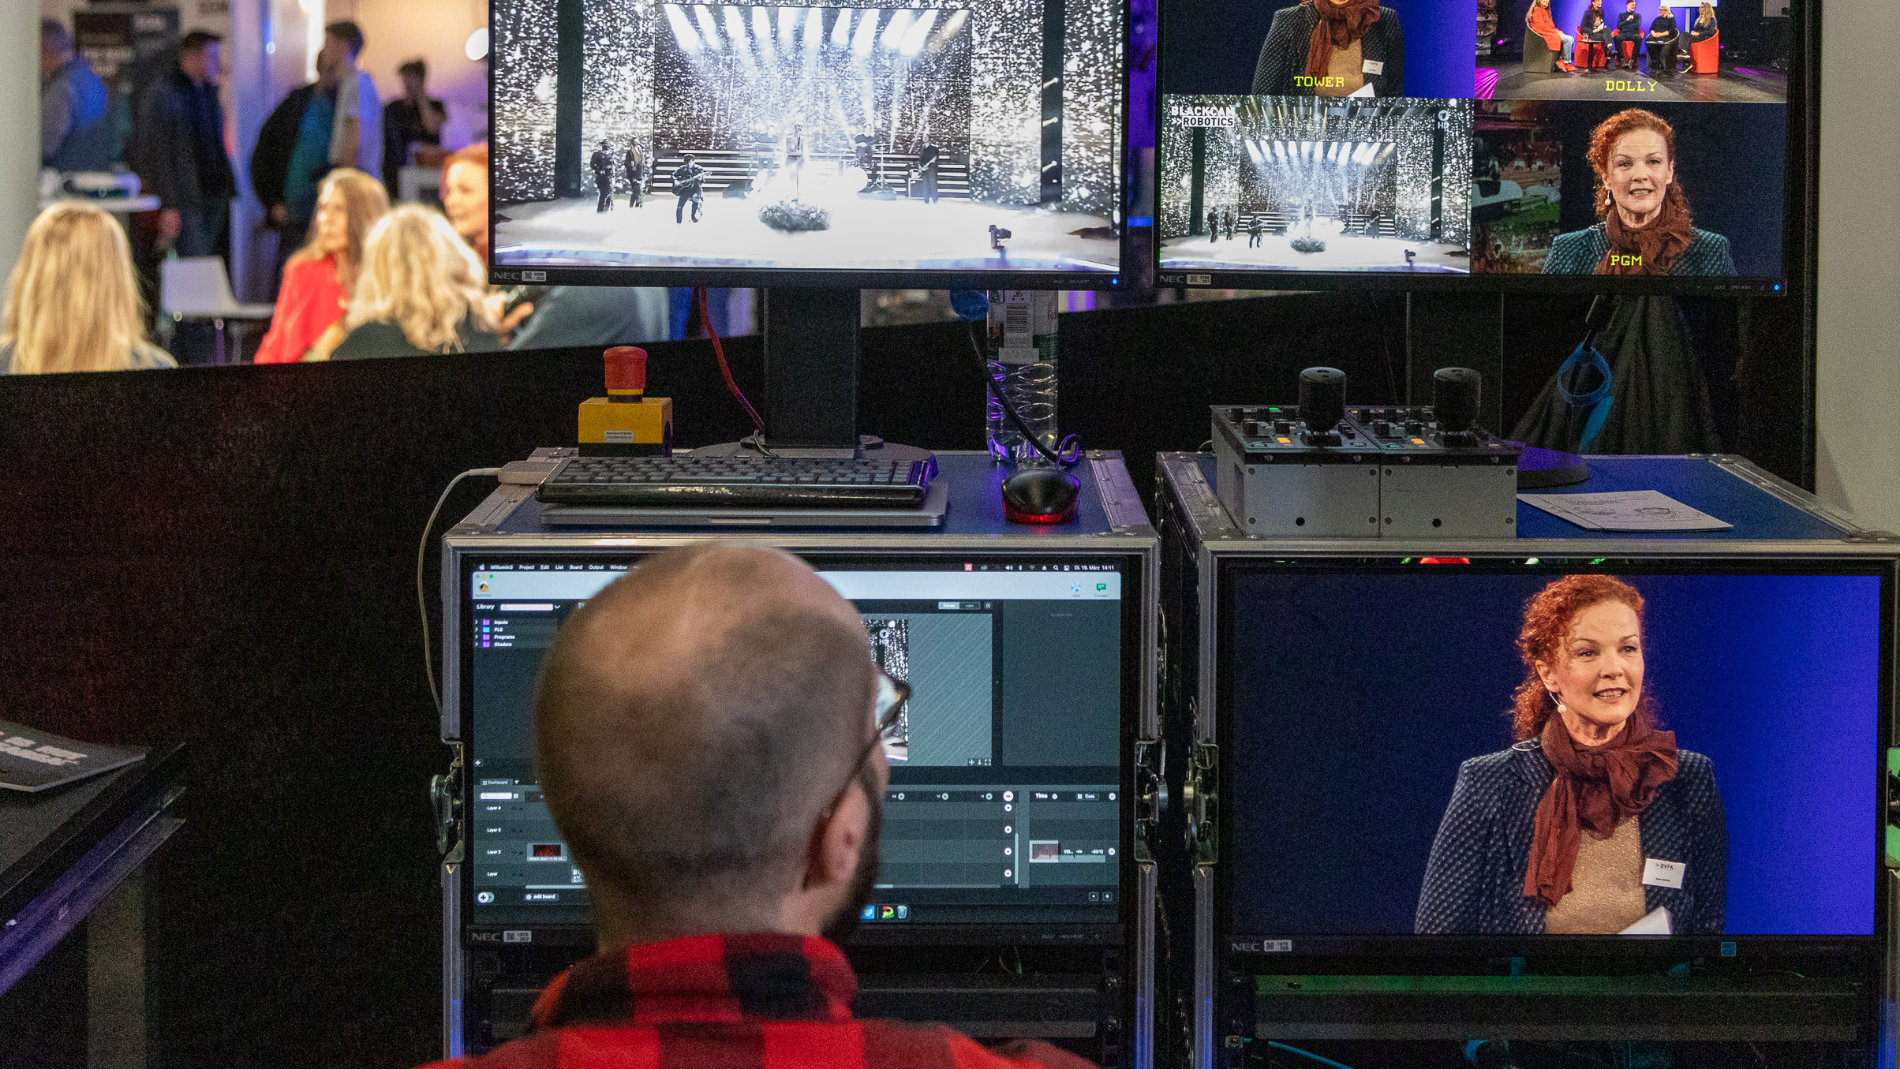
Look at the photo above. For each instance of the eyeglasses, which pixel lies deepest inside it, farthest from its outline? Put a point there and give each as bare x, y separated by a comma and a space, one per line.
885, 713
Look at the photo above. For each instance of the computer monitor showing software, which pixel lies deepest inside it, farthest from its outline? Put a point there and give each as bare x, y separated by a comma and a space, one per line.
1396, 764
1584, 146
824, 144
1007, 788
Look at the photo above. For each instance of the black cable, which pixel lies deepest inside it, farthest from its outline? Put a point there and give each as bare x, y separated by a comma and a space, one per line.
1385, 342
1009, 410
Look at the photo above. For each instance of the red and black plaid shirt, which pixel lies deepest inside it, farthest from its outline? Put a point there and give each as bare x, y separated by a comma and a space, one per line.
760, 1001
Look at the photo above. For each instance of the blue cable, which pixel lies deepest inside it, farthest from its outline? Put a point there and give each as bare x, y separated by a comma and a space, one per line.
1595, 404
1307, 1054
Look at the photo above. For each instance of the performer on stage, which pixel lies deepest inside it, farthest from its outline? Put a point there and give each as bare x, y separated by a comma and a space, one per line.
689, 181
1594, 29
634, 163
602, 163
1664, 36
923, 177
795, 155
1254, 230
1538, 21
1229, 221
1645, 228
1213, 224
1593, 820
1629, 30
1332, 48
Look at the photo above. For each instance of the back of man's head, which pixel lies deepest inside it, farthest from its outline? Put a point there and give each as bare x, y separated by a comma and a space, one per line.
54, 37
694, 721
349, 33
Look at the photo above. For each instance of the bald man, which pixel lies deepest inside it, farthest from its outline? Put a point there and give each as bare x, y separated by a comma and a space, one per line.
708, 732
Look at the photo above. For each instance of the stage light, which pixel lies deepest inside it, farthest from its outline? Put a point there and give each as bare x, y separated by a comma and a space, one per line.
476, 47
894, 30
814, 34
682, 29
918, 33
762, 30
735, 28
708, 32
953, 24
866, 37
841, 29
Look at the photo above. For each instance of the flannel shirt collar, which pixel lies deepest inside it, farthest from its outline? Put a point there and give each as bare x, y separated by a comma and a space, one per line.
704, 978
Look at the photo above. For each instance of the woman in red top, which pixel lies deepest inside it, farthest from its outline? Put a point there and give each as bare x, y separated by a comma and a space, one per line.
1540, 23
318, 278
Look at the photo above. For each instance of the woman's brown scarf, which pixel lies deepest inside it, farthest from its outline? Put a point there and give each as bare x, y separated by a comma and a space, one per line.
1339, 25
1595, 789
1650, 250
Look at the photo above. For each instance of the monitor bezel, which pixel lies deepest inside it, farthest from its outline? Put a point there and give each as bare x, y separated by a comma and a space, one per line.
1799, 219
1118, 932
843, 278
1257, 952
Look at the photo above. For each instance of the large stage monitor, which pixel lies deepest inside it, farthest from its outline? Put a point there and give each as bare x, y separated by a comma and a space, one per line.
940, 143
1583, 146
1385, 773
1004, 817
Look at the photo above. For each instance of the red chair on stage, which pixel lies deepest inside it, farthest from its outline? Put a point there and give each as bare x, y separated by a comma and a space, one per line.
1705, 56
1627, 53
1590, 55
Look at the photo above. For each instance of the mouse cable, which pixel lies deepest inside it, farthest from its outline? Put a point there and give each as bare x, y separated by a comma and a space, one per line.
422, 601
1009, 410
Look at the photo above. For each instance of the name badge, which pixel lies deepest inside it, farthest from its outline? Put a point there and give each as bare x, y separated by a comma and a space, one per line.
1660, 873
1374, 66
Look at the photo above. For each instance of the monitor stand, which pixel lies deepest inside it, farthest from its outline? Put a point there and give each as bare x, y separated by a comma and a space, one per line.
811, 379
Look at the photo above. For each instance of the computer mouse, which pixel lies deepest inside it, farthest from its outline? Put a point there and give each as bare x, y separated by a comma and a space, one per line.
1040, 495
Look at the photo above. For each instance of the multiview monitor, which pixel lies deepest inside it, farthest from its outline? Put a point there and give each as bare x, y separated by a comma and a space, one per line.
1403, 742
951, 142
1583, 145
1005, 811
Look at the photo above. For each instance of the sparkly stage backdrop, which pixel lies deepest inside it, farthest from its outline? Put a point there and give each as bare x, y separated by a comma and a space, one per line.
913, 92
1005, 109
1280, 151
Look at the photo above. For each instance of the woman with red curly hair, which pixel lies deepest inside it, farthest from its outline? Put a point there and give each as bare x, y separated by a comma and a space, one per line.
1593, 821
1644, 227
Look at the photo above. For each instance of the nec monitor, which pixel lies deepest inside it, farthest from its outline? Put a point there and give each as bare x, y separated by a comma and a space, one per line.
1009, 780
1582, 146
1395, 766
965, 142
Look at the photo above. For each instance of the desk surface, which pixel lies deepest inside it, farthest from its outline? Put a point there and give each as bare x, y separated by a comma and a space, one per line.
42, 834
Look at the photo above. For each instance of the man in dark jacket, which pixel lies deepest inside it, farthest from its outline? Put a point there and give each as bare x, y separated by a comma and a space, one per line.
414, 118
689, 185
177, 150
1629, 29
602, 163
635, 164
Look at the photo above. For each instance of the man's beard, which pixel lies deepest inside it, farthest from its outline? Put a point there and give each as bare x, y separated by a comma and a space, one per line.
864, 884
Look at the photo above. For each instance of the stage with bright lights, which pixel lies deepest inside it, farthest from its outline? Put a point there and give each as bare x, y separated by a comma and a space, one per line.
1334, 185
920, 136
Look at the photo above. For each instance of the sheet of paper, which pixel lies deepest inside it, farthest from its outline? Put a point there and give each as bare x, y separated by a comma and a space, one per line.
1655, 922
1625, 510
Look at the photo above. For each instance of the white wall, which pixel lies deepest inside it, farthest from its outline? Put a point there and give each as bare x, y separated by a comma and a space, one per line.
19, 127
1858, 332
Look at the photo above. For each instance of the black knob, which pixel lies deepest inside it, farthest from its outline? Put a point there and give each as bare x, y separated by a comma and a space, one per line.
1455, 398
1322, 398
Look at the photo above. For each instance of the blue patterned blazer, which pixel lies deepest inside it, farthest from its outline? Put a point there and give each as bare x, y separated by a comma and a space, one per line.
1580, 251
1474, 882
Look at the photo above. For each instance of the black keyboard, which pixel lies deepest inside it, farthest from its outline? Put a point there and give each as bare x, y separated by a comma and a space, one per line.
746, 480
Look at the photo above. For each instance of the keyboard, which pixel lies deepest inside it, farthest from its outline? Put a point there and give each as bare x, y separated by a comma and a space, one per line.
745, 480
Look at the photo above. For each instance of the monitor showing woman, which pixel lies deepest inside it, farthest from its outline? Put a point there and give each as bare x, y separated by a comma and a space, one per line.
1593, 823
1332, 48
1645, 226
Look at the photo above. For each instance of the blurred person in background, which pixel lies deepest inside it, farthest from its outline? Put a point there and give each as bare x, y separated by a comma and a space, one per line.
177, 149
72, 301
356, 140
555, 317
319, 277
415, 118
74, 133
419, 291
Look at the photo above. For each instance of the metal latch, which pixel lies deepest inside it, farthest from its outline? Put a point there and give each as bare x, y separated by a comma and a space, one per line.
1151, 795
1200, 796
445, 796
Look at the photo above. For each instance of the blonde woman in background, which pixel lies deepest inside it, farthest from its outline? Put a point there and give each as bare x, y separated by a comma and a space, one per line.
72, 300
318, 277
419, 291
